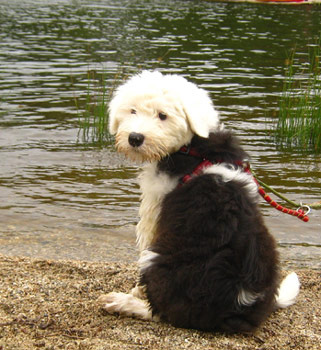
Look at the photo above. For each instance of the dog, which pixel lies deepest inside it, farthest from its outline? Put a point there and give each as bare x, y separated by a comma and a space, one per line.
207, 260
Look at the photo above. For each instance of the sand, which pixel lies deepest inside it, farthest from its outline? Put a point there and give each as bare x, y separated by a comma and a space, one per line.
53, 305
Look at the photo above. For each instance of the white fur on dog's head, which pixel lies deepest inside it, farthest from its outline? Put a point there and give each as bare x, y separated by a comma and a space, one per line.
136, 105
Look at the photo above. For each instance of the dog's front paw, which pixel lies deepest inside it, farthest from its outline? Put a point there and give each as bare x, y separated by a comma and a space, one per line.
125, 304
112, 302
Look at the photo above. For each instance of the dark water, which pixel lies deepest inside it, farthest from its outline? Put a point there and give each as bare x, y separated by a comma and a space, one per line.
60, 199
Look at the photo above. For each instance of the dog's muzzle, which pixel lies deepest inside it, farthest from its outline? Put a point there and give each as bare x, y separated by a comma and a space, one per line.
135, 139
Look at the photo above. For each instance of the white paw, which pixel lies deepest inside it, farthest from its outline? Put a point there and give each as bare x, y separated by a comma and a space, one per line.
112, 302
125, 304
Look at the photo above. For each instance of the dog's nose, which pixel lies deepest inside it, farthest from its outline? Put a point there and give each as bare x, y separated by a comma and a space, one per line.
135, 139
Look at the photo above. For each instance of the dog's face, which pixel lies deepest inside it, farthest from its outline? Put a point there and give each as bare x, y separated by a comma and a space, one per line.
154, 115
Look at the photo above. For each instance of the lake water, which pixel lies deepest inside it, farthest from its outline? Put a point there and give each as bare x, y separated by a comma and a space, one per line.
63, 199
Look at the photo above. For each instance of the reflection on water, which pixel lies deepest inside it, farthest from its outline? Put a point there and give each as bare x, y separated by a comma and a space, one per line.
55, 191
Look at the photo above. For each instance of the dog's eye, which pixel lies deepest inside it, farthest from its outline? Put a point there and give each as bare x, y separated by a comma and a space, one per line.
133, 111
162, 116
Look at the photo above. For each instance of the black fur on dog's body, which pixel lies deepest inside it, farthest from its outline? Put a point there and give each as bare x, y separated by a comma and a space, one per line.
211, 244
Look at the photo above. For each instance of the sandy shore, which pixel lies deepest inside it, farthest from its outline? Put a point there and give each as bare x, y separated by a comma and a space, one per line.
52, 305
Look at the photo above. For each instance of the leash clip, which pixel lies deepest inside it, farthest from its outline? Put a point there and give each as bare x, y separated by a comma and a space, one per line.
246, 165
301, 209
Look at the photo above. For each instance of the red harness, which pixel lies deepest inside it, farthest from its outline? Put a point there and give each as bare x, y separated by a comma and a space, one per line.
205, 163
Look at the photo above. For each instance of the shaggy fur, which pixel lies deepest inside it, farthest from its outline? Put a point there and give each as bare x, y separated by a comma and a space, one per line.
207, 261
216, 263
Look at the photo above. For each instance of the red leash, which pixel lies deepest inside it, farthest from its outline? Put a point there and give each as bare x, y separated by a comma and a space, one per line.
299, 213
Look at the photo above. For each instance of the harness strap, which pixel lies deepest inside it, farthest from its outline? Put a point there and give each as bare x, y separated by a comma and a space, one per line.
205, 163
197, 171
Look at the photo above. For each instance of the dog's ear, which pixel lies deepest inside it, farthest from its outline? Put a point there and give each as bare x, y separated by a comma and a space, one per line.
199, 110
113, 108
113, 125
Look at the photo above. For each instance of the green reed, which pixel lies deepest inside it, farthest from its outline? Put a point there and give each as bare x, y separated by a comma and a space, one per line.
299, 118
93, 117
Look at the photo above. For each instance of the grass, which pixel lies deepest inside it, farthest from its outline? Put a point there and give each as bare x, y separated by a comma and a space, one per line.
299, 119
93, 117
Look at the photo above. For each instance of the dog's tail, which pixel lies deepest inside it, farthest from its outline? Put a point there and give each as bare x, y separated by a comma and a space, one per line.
288, 291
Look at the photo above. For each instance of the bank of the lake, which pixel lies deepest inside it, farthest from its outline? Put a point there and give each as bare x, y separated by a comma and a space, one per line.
52, 305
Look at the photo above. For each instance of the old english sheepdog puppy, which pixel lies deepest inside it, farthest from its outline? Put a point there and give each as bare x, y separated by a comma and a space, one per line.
207, 261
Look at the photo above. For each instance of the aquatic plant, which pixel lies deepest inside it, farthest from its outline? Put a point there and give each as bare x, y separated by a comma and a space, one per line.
93, 117
299, 119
